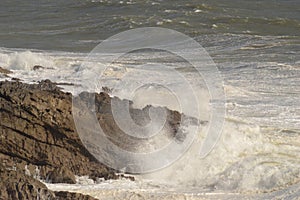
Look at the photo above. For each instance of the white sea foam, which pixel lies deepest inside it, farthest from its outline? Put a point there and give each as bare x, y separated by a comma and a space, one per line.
247, 163
57, 66
250, 156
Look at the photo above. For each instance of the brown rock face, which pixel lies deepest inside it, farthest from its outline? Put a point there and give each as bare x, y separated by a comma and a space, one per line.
37, 129
71, 195
37, 67
61, 175
16, 185
38, 138
4, 71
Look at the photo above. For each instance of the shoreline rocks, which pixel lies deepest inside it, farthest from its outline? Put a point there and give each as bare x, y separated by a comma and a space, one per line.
62, 195
17, 185
5, 71
38, 138
61, 175
37, 129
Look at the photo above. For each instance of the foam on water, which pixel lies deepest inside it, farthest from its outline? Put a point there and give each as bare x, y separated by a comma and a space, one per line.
247, 158
256, 47
26, 60
251, 157
59, 67
248, 162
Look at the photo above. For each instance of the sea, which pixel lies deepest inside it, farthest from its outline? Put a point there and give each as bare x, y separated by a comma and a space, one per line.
255, 50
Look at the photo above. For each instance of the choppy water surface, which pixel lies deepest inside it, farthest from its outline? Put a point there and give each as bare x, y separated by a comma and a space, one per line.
80, 25
256, 46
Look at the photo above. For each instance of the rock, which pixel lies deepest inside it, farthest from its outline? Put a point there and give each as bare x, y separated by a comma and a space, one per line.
38, 67
15, 79
16, 185
61, 175
37, 129
106, 90
71, 195
5, 71
64, 83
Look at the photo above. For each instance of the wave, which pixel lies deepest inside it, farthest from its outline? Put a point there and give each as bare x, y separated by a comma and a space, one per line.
248, 162
248, 156
56, 66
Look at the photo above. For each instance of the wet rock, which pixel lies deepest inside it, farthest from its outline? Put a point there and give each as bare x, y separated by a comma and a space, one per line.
5, 71
38, 135
61, 175
71, 195
37, 128
16, 185
38, 67
106, 90
15, 79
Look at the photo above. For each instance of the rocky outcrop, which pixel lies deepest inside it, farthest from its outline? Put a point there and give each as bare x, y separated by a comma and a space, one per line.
4, 71
61, 175
17, 185
62, 195
37, 67
38, 139
37, 130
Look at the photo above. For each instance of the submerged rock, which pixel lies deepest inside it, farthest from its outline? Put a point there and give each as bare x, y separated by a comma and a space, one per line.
5, 71
37, 67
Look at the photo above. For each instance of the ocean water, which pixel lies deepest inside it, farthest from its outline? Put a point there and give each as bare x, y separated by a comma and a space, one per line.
256, 48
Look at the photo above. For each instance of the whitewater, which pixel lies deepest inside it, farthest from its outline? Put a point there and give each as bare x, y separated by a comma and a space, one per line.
257, 155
